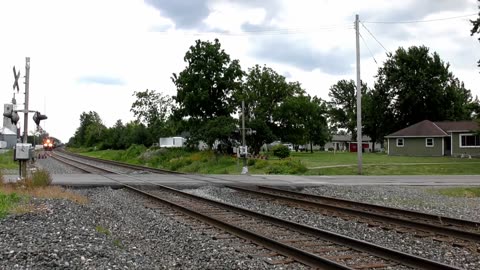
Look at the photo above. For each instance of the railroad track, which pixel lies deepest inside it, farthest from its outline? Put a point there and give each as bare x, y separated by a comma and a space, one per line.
460, 233
304, 244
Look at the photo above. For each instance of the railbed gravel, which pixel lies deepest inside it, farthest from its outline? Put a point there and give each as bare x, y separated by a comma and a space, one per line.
112, 231
438, 251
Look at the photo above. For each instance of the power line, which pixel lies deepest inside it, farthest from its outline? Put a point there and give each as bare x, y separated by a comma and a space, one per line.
364, 42
374, 37
424, 21
285, 31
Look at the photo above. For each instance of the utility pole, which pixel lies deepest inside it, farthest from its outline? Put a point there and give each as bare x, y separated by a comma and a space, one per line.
359, 99
245, 168
23, 163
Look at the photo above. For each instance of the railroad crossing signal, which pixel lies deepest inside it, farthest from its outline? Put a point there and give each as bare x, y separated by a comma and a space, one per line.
16, 76
37, 117
13, 115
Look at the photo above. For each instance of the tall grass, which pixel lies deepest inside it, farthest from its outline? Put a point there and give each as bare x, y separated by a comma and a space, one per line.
40, 178
7, 201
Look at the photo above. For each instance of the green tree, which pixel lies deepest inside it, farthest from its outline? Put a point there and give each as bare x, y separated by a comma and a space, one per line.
302, 120
316, 123
153, 110
264, 90
377, 114
421, 87
206, 87
343, 105
476, 28
90, 132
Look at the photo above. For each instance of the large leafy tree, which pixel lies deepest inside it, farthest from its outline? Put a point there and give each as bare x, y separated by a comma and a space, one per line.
206, 87
91, 130
476, 28
303, 120
343, 105
421, 87
377, 114
153, 110
264, 90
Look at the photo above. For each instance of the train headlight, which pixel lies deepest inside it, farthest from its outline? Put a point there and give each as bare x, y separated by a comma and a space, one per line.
50, 145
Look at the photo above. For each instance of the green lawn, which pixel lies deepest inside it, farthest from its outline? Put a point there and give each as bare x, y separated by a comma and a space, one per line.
6, 161
319, 159
318, 163
469, 192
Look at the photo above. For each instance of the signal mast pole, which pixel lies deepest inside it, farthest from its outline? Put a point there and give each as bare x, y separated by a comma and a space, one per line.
23, 163
359, 98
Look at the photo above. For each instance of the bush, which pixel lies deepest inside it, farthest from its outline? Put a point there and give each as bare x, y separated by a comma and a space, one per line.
251, 162
177, 163
41, 178
286, 167
260, 164
281, 151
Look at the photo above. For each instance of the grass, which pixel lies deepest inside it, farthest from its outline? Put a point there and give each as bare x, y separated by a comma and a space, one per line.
7, 202
102, 230
6, 161
15, 197
467, 192
318, 163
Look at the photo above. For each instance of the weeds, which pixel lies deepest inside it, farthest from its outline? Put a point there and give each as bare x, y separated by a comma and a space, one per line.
7, 201
102, 230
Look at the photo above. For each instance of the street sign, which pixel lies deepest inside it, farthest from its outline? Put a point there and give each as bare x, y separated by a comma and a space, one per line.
17, 76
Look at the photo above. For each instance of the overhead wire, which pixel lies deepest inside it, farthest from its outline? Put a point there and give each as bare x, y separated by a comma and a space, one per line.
422, 21
279, 31
368, 48
387, 51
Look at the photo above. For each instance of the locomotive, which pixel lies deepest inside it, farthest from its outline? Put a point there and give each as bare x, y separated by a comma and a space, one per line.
48, 144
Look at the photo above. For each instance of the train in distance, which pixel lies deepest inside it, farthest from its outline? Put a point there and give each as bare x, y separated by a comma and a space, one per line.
48, 144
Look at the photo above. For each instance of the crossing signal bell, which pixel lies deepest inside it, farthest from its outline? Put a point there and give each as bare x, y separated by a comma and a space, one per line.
37, 117
13, 115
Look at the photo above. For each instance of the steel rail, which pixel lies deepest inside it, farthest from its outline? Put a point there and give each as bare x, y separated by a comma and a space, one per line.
389, 254
465, 235
404, 212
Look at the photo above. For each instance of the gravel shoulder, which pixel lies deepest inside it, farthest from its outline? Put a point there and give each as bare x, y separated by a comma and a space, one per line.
405, 242
113, 231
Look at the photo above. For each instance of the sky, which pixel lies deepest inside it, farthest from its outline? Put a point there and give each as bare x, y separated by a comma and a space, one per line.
91, 55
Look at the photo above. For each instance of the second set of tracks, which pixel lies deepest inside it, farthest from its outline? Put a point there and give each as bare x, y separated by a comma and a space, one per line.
308, 245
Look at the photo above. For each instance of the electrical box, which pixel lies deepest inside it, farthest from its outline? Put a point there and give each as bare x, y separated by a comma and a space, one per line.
243, 151
23, 151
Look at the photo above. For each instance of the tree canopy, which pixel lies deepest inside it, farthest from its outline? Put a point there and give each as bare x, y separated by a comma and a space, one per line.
420, 86
206, 87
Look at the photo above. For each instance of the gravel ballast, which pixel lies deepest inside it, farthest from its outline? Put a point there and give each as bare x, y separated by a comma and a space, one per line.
405, 242
114, 231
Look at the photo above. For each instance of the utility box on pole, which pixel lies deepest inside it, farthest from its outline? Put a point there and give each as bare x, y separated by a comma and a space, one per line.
23, 151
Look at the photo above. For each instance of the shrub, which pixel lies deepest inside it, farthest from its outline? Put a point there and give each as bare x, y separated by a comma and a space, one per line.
251, 162
260, 164
134, 151
177, 163
286, 167
281, 151
41, 178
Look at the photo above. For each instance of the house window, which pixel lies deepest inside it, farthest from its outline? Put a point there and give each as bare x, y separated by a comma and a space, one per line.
469, 140
429, 142
400, 142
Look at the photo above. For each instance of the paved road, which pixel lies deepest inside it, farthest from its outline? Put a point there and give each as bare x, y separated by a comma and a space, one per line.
290, 180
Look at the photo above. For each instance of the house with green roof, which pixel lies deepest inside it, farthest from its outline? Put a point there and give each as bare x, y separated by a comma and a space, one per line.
427, 138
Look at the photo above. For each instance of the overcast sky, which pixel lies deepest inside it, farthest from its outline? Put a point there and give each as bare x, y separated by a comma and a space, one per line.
91, 55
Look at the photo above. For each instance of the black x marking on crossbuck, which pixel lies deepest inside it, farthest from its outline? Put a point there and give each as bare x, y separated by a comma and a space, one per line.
17, 76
